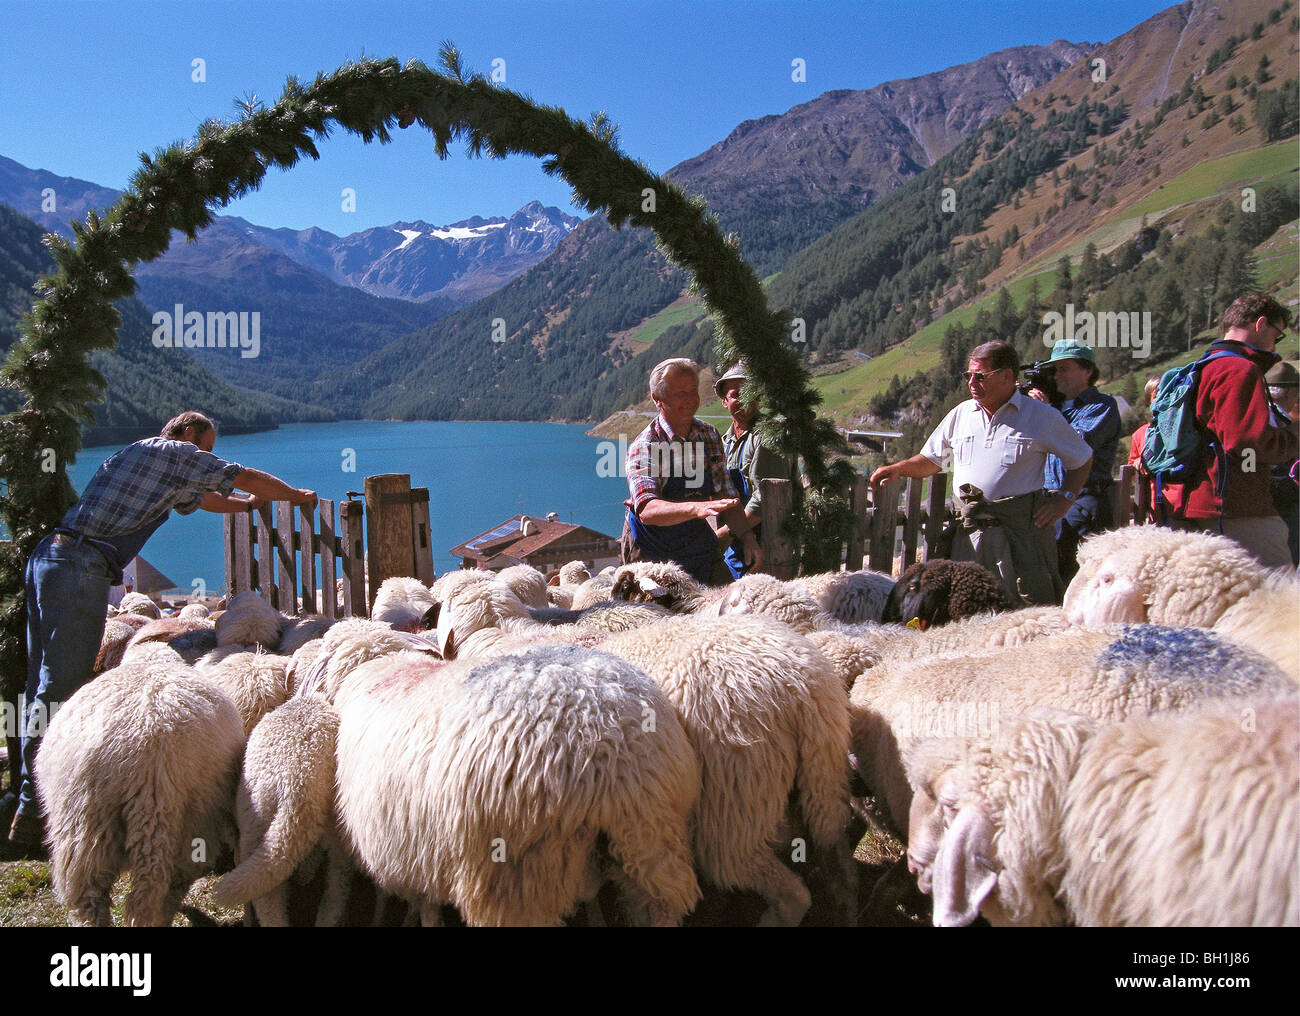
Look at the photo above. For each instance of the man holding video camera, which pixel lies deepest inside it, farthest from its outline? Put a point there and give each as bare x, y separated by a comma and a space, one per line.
1071, 376
997, 445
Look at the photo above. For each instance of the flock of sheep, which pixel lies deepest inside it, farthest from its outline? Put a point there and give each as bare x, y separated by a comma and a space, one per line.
517, 750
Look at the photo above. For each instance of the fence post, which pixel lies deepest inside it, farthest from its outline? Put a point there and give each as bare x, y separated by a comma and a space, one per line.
778, 550
884, 520
354, 559
306, 544
1124, 513
935, 512
286, 571
328, 605
912, 522
265, 576
421, 540
860, 503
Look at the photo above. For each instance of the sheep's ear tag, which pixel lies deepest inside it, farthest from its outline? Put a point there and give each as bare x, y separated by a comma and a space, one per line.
916, 624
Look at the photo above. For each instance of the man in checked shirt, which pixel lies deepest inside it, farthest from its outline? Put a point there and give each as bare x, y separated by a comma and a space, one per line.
71, 570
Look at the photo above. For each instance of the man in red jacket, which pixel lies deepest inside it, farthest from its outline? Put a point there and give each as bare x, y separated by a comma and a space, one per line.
1232, 404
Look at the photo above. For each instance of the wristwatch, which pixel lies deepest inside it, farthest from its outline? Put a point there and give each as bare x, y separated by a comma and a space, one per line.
1069, 495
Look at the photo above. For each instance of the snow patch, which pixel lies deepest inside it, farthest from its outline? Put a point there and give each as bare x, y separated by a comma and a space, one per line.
410, 235
464, 232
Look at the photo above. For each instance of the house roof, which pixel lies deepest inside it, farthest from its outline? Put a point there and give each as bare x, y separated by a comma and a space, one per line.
506, 544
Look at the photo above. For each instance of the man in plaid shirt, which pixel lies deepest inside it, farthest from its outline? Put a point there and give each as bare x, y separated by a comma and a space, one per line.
71, 570
677, 477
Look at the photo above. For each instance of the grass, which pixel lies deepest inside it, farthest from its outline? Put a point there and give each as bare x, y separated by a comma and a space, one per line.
646, 334
1257, 166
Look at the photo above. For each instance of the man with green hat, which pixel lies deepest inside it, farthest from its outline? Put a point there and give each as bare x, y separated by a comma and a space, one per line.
1095, 416
1284, 388
748, 461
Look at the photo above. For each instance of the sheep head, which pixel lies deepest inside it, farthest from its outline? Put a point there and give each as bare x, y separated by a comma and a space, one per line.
984, 829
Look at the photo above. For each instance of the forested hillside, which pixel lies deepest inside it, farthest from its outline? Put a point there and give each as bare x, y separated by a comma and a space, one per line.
145, 385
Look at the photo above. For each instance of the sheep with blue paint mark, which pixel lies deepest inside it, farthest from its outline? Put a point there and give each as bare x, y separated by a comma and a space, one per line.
1108, 674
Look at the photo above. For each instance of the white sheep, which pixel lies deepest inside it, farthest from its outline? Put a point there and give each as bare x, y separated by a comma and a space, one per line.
194, 612
487, 787
851, 597
284, 808
767, 715
300, 630
402, 602
249, 620
527, 583
137, 772
345, 647
189, 638
255, 681
1176, 820
1107, 674
574, 573
1148, 573
138, 603
789, 602
596, 589
663, 582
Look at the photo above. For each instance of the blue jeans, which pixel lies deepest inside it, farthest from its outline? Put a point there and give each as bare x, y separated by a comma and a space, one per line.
67, 600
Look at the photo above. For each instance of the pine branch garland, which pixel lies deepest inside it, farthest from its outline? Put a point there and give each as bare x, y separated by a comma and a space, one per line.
179, 187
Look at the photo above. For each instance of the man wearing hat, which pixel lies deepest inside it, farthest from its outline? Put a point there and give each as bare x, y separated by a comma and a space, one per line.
1284, 388
1095, 416
748, 461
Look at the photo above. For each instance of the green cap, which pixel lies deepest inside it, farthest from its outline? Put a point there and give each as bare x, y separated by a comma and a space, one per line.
1068, 349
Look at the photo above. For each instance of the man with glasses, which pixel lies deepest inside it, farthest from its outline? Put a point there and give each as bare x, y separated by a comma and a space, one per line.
996, 446
1233, 406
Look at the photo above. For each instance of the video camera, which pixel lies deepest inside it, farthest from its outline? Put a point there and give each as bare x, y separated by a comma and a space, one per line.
1041, 375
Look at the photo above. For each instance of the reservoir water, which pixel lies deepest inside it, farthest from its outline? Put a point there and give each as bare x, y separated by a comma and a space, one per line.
478, 475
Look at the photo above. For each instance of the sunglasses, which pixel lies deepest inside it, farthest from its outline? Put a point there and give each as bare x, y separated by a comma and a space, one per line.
981, 376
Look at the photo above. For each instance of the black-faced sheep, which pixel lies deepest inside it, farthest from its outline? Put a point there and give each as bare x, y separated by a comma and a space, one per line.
935, 592
1176, 820
487, 787
137, 772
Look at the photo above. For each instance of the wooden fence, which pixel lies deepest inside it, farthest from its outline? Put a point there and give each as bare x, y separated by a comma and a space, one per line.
292, 566
893, 533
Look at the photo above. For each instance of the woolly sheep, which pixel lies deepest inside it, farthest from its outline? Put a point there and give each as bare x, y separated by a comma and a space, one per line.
487, 787
283, 807
401, 602
596, 589
1175, 820
193, 612
346, 646
249, 620
136, 768
574, 573
301, 630
766, 713
560, 596
1106, 674
937, 592
1149, 573
189, 638
112, 644
758, 593
663, 582
851, 597
527, 583
254, 681
138, 603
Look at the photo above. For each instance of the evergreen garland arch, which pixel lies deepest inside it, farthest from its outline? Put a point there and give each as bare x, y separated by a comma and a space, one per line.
177, 188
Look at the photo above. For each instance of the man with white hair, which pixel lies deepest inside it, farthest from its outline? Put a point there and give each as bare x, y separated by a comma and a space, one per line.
677, 479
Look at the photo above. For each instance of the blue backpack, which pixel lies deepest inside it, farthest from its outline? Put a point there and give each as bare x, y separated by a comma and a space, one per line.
1176, 444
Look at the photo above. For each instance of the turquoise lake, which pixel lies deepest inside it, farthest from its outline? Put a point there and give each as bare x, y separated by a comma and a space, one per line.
478, 475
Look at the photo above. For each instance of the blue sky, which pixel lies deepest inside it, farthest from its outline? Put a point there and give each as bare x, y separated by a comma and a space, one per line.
86, 85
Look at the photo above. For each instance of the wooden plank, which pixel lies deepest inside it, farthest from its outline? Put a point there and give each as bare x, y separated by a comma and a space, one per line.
240, 579
328, 598
860, 503
884, 522
307, 551
354, 559
1124, 506
936, 512
286, 570
778, 549
421, 542
1144, 508
912, 521
388, 530
266, 556
228, 549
